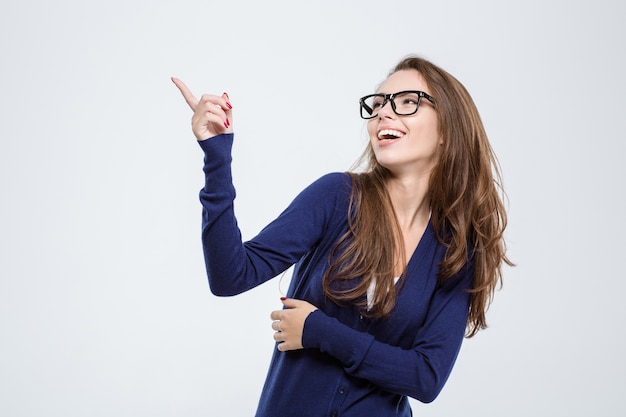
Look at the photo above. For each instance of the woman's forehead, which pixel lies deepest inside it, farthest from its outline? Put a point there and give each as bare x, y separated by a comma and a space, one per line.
403, 80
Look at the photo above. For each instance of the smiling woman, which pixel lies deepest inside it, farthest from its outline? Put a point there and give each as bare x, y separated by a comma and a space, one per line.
393, 265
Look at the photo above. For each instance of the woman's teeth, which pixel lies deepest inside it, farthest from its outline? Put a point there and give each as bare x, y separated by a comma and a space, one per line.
389, 134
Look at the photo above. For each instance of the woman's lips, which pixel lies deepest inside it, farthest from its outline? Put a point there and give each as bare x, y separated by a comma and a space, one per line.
387, 137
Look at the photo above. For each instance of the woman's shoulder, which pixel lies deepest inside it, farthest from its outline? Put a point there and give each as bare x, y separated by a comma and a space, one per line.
334, 186
330, 183
334, 180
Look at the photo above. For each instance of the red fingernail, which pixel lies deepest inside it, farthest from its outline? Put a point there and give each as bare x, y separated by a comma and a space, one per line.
229, 106
226, 124
283, 298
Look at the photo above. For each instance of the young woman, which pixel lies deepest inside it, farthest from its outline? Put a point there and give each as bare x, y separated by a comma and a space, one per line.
393, 265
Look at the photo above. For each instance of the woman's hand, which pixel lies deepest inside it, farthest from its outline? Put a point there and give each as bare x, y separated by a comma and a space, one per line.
289, 323
212, 115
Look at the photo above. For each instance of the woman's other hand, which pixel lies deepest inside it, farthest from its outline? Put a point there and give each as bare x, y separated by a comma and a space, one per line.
288, 323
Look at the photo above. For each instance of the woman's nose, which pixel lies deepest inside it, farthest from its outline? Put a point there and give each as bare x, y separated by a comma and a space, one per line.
386, 110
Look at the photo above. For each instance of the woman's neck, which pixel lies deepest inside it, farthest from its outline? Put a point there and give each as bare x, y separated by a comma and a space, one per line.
409, 197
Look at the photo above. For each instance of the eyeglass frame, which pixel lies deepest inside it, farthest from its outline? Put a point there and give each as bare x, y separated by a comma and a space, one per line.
390, 98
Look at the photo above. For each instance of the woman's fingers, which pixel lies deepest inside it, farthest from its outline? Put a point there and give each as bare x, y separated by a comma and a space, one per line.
207, 120
276, 326
212, 114
288, 324
213, 105
191, 100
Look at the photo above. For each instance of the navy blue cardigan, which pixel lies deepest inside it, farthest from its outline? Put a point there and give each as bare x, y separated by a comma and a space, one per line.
350, 365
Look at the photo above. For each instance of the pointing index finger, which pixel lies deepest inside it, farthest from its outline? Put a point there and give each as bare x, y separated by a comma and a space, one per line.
191, 100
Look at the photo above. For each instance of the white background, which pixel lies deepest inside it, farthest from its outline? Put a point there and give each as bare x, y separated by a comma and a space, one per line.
104, 305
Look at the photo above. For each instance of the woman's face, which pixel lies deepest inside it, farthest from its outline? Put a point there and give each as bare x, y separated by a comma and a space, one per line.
405, 144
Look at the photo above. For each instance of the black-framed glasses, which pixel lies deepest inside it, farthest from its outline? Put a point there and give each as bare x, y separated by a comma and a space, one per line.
403, 103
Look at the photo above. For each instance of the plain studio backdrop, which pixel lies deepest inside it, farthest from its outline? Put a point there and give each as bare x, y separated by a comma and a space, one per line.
104, 304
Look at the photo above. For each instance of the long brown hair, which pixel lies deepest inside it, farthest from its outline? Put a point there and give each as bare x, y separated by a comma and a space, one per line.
468, 214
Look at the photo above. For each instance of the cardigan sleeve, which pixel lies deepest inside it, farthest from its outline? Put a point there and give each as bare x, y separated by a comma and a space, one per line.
419, 372
234, 266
